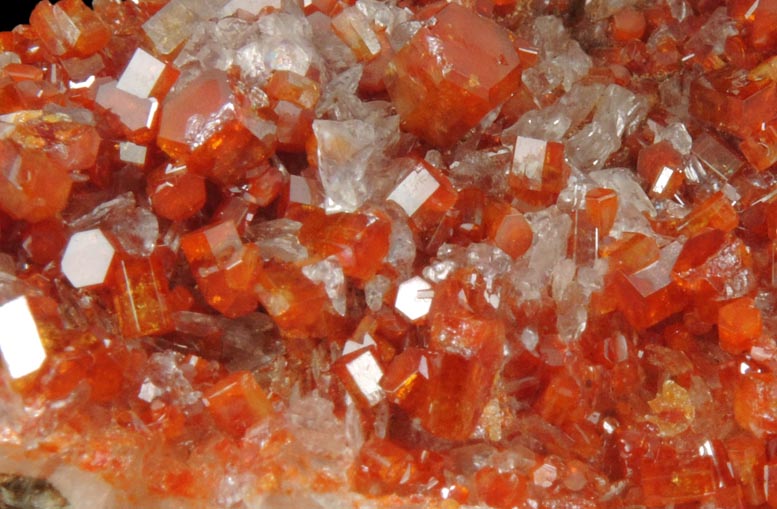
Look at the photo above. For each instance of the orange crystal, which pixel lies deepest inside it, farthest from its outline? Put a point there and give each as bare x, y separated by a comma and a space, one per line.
453, 71
224, 267
739, 325
360, 242
202, 125
140, 294
69, 28
601, 205
237, 402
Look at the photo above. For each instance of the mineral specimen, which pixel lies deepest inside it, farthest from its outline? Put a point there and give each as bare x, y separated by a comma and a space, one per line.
373, 254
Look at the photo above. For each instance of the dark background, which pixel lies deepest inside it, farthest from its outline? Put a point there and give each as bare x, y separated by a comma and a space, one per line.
15, 12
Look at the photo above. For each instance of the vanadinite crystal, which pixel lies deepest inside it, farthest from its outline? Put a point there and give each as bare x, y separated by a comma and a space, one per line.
389, 253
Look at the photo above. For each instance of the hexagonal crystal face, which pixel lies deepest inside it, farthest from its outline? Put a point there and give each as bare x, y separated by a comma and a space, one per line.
87, 257
414, 298
20, 342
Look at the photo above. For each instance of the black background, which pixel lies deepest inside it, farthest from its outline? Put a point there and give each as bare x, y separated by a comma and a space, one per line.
15, 12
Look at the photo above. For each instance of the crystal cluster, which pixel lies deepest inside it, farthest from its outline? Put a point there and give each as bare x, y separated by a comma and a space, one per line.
364, 253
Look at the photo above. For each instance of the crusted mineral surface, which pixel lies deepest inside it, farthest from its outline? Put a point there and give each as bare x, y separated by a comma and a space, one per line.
369, 254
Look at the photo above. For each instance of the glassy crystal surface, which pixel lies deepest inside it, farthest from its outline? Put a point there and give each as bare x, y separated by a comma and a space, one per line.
87, 258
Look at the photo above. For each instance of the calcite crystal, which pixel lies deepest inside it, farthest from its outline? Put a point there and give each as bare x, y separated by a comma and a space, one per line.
373, 254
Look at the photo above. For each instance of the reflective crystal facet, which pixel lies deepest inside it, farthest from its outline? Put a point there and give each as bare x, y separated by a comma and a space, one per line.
87, 258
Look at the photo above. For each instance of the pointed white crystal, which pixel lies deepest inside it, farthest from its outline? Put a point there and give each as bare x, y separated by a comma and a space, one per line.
414, 298
414, 190
141, 74
87, 257
529, 160
20, 341
366, 373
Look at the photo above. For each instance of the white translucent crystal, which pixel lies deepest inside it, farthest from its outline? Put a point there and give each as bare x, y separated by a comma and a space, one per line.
716, 156
633, 203
87, 257
301, 190
86, 490
402, 248
618, 111
562, 61
374, 291
278, 239
20, 342
529, 160
413, 191
170, 26
137, 231
414, 298
9, 57
132, 153
366, 373
330, 274
549, 246
675, 133
141, 74
545, 475
352, 18
345, 149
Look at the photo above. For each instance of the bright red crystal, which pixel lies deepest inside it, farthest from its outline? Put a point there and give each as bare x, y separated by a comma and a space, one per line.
348, 253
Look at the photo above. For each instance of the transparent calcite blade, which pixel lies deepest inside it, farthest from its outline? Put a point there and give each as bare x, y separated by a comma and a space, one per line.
20, 342
87, 258
172, 25
454, 70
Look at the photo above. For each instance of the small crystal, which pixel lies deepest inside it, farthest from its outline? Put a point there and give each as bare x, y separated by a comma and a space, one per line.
20, 341
364, 375
132, 153
87, 258
414, 298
